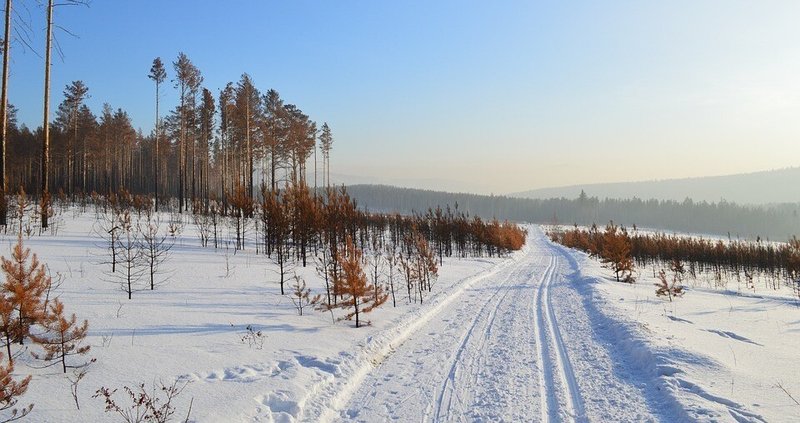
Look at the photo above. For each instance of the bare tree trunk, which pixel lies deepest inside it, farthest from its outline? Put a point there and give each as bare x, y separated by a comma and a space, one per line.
84, 170
223, 187
74, 146
315, 169
194, 170
155, 171
274, 164
180, 151
46, 119
249, 151
4, 117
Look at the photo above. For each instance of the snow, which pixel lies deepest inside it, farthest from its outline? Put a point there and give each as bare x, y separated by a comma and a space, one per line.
511, 349
190, 329
545, 334
718, 354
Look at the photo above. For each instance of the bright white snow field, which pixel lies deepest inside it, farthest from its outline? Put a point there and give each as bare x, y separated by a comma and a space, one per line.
543, 335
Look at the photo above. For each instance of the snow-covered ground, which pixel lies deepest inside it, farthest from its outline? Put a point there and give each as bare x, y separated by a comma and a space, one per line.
542, 335
718, 355
191, 329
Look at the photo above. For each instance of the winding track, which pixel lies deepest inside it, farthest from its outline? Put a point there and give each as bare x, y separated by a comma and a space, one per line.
497, 354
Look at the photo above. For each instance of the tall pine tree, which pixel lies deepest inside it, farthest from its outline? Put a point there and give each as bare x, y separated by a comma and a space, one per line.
158, 74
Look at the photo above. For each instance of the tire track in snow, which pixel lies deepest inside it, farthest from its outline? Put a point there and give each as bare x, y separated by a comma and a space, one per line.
553, 357
447, 393
475, 362
332, 397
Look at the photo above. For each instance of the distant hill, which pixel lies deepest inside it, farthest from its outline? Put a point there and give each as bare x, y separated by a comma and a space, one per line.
439, 184
768, 187
776, 221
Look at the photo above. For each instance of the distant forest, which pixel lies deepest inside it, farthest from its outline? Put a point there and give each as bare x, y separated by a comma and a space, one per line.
767, 187
774, 222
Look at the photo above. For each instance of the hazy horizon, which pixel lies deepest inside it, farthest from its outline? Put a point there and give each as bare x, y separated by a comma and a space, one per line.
454, 186
481, 97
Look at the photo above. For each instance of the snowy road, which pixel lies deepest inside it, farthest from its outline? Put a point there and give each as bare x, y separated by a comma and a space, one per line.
516, 346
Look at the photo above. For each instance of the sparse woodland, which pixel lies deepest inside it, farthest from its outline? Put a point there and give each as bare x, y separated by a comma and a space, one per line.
675, 260
241, 170
233, 167
365, 259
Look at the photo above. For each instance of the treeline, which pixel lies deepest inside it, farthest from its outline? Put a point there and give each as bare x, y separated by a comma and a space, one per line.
716, 261
296, 222
206, 145
776, 222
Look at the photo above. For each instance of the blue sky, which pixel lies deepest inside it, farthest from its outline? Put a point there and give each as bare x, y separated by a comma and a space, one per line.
480, 96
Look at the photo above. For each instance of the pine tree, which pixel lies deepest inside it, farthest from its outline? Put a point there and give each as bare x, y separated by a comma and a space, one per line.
325, 144
241, 208
277, 210
274, 134
616, 252
67, 119
188, 80
300, 141
158, 74
10, 391
248, 113
301, 296
87, 125
62, 337
358, 295
26, 282
207, 110
226, 112
7, 322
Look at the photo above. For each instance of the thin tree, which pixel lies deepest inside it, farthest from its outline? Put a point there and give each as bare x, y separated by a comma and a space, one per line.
324, 263
616, 253
45, 194
377, 262
74, 94
277, 211
207, 110
10, 391
45, 199
188, 80
129, 250
108, 227
358, 295
26, 282
226, 107
275, 133
155, 245
61, 338
301, 296
4, 116
325, 144
392, 257
158, 74
248, 105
